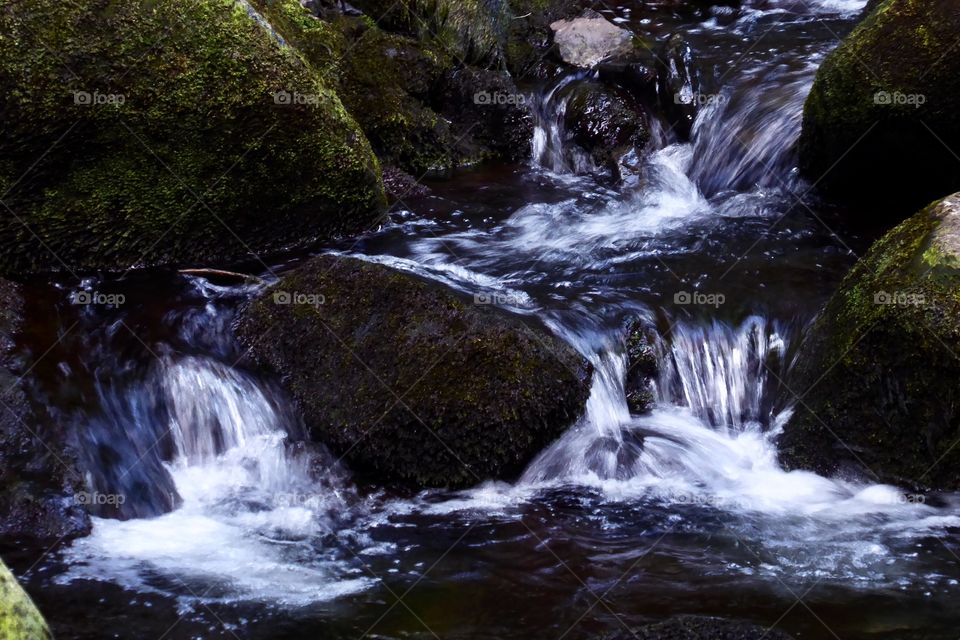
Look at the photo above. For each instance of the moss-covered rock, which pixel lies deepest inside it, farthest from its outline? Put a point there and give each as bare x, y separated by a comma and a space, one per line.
530, 38
878, 371
154, 132
410, 86
882, 121
411, 383
39, 476
474, 32
19, 617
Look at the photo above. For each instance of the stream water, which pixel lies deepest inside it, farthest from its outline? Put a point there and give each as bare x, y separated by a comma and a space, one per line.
235, 527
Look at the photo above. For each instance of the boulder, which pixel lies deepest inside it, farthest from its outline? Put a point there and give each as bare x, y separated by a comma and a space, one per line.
39, 476
590, 38
877, 371
409, 383
642, 368
678, 85
885, 110
19, 617
474, 32
167, 133
605, 122
422, 107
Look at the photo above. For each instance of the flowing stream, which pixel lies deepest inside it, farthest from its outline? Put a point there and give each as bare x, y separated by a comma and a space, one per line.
233, 525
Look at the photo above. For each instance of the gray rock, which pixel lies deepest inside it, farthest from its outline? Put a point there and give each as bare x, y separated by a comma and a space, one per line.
587, 40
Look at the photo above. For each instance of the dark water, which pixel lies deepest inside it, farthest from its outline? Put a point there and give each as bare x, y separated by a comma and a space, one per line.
626, 520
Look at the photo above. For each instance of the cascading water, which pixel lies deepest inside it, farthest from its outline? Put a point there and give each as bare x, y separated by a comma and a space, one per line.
229, 504
247, 493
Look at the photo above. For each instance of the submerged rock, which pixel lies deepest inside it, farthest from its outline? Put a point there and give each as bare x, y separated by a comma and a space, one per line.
168, 133
19, 617
409, 382
678, 85
605, 122
39, 479
587, 40
703, 628
882, 121
878, 371
642, 369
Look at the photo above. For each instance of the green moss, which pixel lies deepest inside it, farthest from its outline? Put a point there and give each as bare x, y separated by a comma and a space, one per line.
198, 163
854, 139
19, 617
881, 363
410, 383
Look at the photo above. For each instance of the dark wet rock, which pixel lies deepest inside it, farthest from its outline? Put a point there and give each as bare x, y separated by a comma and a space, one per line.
39, 480
410, 383
702, 628
878, 370
492, 118
636, 74
642, 368
678, 85
588, 39
19, 617
147, 154
400, 185
605, 122
881, 125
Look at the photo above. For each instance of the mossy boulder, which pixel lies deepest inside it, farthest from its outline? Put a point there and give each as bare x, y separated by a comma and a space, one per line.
530, 37
19, 617
878, 371
882, 121
39, 476
416, 93
411, 384
158, 132
472, 31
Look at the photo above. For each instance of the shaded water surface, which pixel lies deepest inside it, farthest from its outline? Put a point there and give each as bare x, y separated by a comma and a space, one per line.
234, 526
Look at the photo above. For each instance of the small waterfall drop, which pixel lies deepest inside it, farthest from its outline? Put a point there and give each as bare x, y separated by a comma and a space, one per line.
550, 146
722, 373
247, 494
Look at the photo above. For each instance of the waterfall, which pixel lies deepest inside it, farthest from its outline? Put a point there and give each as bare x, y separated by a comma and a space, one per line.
213, 466
550, 147
722, 373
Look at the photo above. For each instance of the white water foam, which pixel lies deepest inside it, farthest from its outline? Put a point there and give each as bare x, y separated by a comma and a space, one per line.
250, 508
